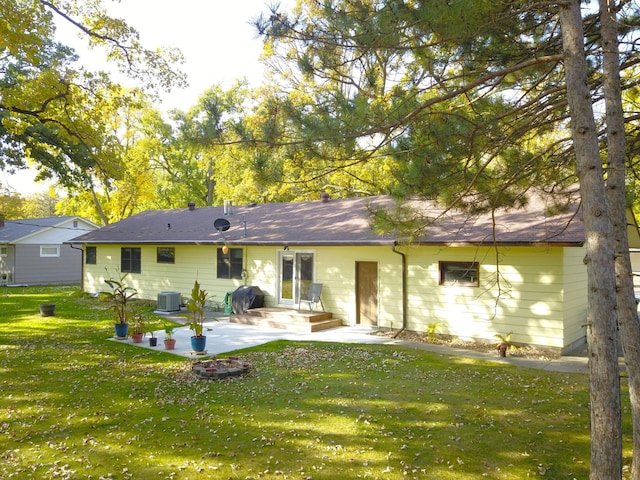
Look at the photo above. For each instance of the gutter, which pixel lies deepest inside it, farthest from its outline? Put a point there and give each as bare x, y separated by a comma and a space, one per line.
404, 288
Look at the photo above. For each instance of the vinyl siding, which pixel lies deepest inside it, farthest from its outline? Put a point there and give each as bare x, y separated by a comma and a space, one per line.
32, 269
524, 294
537, 293
191, 263
575, 298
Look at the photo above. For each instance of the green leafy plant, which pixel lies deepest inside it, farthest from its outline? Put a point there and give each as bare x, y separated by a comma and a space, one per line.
168, 330
432, 330
139, 324
120, 297
196, 306
504, 343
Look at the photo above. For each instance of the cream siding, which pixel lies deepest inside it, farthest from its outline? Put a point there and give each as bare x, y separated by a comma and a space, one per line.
335, 268
537, 293
525, 294
575, 301
191, 263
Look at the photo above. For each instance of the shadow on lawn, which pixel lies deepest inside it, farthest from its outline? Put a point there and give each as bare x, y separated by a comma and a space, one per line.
73, 399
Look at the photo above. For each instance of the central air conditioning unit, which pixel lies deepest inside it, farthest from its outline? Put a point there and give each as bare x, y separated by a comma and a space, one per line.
169, 301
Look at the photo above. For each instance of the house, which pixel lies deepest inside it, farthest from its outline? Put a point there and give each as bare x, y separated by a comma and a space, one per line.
521, 271
33, 252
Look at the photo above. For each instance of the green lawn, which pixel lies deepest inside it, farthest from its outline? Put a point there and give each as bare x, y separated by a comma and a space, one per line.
75, 405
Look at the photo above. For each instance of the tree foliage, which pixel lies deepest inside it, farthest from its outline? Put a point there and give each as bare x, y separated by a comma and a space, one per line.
463, 100
52, 110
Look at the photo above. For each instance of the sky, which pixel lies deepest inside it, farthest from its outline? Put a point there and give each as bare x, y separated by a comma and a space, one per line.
215, 36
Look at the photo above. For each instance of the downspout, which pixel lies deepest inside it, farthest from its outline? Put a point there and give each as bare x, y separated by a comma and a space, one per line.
404, 288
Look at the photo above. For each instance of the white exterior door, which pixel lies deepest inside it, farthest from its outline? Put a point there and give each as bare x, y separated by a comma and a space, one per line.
295, 275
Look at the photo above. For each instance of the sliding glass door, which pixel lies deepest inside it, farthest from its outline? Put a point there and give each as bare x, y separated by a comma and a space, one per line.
295, 275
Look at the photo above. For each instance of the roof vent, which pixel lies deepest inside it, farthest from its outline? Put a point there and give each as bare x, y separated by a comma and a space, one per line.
324, 197
192, 206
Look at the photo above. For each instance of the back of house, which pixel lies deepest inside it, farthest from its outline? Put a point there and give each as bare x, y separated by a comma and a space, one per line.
517, 271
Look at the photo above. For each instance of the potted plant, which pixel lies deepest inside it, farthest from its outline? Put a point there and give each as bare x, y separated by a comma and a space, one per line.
153, 340
120, 295
169, 341
138, 328
196, 307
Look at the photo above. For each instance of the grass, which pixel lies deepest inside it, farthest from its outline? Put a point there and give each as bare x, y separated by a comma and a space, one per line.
77, 406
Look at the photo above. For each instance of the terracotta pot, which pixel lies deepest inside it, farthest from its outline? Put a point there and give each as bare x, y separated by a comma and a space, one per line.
137, 337
170, 344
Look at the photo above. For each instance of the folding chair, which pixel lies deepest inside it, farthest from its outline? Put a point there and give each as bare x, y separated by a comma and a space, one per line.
313, 297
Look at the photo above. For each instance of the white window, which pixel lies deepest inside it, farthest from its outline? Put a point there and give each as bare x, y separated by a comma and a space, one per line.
49, 250
3, 251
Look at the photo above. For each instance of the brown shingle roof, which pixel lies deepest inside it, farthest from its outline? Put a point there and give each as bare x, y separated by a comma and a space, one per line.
336, 222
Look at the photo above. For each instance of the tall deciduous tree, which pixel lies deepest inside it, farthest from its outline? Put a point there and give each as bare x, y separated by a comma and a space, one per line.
48, 101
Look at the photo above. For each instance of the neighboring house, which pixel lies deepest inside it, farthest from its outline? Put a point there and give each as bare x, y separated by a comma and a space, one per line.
475, 278
33, 252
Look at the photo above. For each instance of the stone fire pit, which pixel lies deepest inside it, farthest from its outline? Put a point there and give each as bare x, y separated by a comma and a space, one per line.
219, 368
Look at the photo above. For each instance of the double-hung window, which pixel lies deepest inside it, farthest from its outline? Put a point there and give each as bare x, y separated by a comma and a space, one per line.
230, 263
130, 260
90, 255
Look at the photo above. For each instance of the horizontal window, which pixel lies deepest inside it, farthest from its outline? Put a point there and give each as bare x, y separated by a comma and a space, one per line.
166, 255
460, 273
49, 250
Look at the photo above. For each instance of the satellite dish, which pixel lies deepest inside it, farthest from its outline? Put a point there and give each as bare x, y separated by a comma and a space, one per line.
221, 224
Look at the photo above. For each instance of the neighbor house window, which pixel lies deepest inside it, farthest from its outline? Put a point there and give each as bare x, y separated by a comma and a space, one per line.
230, 263
3, 251
49, 250
459, 273
90, 256
166, 255
130, 260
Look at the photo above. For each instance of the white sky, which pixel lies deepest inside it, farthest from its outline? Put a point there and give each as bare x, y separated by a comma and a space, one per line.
215, 36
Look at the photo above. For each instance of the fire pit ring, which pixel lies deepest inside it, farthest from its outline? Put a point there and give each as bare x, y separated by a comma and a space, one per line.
219, 368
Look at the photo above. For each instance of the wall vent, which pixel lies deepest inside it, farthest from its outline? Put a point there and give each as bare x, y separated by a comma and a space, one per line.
169, 301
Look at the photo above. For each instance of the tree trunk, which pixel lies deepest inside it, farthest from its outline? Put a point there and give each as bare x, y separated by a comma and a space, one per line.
616, 195
604, 380
96, 203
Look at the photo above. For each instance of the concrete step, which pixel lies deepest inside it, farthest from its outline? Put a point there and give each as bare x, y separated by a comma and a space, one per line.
287, 319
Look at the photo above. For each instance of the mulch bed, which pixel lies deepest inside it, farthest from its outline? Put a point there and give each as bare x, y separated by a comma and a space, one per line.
524, 351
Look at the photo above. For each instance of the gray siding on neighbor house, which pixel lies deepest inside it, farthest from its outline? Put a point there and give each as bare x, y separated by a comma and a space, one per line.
32, 269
